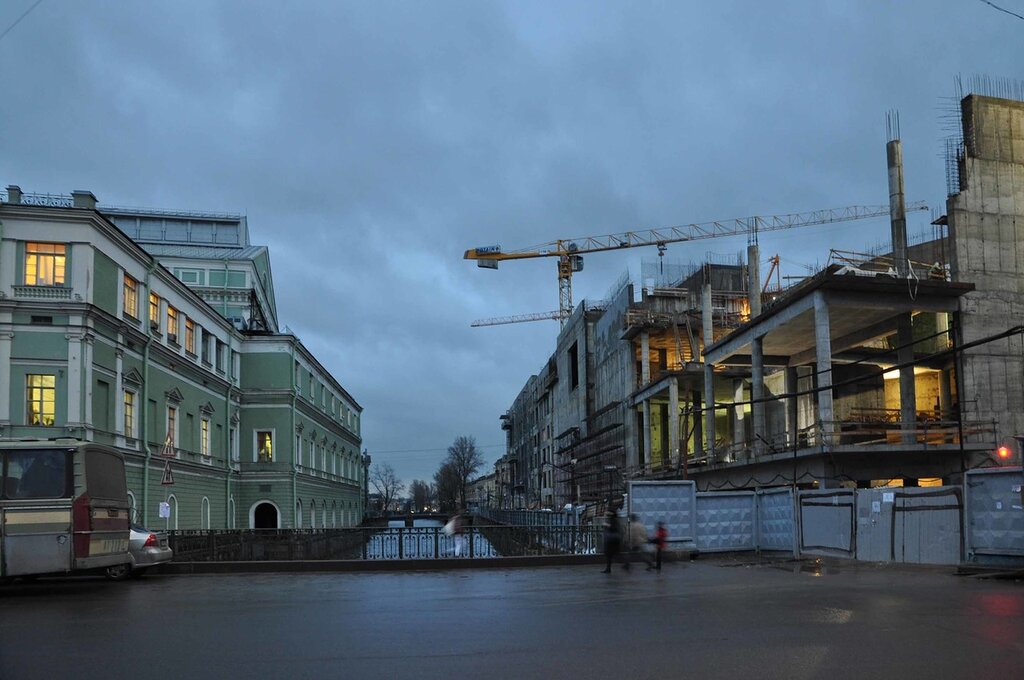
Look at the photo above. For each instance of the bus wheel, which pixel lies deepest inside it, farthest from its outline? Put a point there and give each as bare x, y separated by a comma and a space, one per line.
119, 572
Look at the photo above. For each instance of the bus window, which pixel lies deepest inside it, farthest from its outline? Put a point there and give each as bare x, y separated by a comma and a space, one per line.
105, 475
36, 474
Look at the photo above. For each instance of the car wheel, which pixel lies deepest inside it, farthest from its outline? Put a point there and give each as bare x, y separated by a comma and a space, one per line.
119, 572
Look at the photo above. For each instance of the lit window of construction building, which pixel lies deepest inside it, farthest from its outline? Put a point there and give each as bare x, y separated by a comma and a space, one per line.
42, 398
44, 264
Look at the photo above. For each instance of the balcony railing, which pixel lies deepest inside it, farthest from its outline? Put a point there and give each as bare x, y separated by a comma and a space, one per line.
42, 292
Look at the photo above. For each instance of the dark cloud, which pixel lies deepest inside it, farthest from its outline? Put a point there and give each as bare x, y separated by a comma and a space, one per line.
371, 143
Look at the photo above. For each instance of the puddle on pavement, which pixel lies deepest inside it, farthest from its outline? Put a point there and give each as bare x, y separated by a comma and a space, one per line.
811, 567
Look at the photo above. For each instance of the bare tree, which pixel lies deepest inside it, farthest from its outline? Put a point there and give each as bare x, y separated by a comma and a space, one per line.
446, 484
421, 493
464, 460
386, 483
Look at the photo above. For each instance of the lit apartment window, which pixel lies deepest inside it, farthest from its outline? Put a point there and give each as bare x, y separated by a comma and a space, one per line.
44, 264
129, 414
204, 442
42, 398
172, 324
154, 309
190, 336
264, 446
131, 297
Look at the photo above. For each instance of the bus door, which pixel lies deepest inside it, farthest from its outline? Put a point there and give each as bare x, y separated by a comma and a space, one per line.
35, 512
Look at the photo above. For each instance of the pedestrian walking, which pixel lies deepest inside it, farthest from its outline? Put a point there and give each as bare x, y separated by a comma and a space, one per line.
612, 540
638, 542
659, 541
455, 529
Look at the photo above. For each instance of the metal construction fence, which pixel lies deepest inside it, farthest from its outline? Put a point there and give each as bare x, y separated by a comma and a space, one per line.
383, 543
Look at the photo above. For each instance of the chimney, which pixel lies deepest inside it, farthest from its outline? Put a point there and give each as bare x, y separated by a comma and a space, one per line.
13, 193
83, 199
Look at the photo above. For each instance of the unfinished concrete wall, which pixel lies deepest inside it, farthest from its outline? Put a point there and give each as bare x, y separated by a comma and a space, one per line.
614, 372
986, 226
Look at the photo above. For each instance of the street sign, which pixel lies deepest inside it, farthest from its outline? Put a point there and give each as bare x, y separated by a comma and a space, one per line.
168, 448
168, 477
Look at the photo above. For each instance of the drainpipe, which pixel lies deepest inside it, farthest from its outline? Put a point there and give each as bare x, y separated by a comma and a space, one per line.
291, 433
227, 445
145, 401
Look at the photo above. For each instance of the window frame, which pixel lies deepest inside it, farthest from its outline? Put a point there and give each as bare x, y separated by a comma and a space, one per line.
257, 457
128, 429
30, 399
58, 264
171, 420
205, 442
190, 336
173, 324
154, 311
130, 293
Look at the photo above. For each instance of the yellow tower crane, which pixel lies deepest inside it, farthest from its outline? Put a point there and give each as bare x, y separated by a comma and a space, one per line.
570, 251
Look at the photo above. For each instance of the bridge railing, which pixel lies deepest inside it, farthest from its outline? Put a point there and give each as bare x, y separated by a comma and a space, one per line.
380, 543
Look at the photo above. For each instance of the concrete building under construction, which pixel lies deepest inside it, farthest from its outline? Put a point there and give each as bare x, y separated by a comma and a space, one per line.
877, 370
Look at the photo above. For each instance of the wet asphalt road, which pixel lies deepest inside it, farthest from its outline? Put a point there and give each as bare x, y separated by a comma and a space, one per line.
707, 619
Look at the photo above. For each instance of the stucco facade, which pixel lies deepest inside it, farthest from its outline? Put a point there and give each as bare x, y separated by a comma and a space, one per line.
100, 341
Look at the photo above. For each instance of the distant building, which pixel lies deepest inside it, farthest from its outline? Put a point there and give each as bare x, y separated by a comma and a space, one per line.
168, 348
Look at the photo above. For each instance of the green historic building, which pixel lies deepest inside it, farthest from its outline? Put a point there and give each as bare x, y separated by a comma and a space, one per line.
156, 332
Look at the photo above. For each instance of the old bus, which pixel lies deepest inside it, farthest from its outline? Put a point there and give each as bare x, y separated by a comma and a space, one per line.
63, 507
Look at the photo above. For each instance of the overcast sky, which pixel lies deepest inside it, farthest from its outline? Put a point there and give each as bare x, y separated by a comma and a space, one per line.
371, 143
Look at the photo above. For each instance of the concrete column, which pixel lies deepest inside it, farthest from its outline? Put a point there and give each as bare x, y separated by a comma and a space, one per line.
908, 391
6, 340
945, 394
897, 207
645, 358
707, 326
709, 412
823, 352
673, 420
698, 424
738, 430
757, 392
648, 449
792, 422
754, 279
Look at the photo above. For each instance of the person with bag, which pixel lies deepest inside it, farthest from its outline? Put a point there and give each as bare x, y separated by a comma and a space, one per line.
637, 542
612, 540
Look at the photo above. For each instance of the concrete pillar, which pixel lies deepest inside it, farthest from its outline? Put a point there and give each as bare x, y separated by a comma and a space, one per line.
739, 435
645, 358
648, 450
823, 352
673, 420
908, 391
698, 424
792, 423
897, 207
754, 279
707, 327
709, 412
945, 394
757, 392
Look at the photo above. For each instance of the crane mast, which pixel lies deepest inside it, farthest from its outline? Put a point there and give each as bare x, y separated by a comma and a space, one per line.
570, 251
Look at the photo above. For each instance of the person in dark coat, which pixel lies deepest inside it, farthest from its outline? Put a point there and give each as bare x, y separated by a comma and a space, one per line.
612, 540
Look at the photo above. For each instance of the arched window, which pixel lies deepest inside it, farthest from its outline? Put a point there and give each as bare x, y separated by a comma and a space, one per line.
172, 518
334, 514
231, 513
323, 514
204, 514
312, 514
132, 513
298, 514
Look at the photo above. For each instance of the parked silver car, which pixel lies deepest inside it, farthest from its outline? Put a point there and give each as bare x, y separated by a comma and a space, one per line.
146, 549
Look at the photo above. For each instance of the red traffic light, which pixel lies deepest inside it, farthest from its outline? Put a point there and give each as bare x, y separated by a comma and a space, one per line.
1004, 452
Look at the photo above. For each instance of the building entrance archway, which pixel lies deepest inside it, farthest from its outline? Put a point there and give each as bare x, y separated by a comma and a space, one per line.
265, 516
